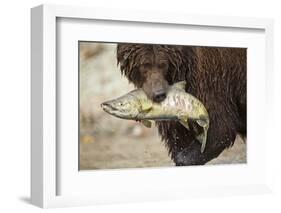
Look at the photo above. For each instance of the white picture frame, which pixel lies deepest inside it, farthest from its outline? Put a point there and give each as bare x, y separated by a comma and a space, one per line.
45, 157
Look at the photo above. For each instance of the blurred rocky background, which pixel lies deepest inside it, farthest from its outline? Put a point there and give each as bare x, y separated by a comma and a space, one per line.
107, 142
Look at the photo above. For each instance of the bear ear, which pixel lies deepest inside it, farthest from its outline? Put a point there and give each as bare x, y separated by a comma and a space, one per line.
180, 85
124, 53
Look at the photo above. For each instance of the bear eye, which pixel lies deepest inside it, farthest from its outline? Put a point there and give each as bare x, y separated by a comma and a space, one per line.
162, 65
146, 65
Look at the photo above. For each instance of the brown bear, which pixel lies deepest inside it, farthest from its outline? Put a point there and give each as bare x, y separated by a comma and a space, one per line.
215, 75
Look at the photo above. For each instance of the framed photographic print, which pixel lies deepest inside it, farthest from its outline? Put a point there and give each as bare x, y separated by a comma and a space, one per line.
129, 106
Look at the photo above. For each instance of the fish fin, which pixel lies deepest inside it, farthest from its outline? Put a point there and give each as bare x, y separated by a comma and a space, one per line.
202, 138
146, 123
183, 118
180, 85
146, 106
185, 124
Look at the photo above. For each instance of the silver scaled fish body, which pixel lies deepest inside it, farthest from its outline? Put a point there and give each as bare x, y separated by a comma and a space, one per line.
178, 105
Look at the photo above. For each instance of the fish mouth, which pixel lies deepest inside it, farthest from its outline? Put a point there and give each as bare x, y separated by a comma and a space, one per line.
108, 107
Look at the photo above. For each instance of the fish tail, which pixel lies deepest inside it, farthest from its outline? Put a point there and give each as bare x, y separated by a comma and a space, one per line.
202, 138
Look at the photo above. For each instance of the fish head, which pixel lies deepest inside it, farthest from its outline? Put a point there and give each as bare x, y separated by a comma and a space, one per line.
126, 107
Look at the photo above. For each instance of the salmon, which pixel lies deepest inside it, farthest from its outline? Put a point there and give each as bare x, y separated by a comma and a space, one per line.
178, 105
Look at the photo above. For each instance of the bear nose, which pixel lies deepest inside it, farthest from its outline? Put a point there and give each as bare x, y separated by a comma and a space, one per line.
159, 96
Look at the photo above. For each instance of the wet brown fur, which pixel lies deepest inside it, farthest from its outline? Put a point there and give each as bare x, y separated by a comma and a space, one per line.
216, 76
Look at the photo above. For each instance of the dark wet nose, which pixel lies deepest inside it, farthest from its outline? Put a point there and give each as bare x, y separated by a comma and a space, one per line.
159, 96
